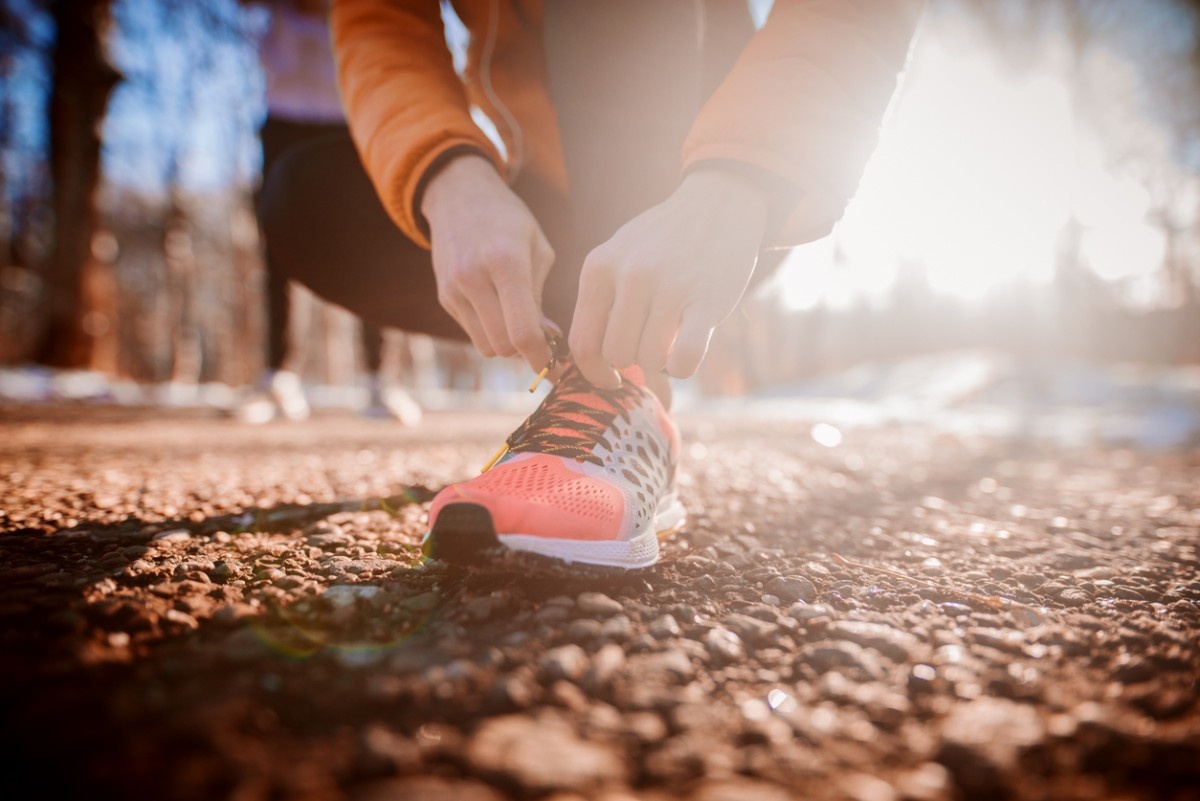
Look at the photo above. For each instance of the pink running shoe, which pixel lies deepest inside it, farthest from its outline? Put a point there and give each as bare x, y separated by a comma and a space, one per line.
589, 477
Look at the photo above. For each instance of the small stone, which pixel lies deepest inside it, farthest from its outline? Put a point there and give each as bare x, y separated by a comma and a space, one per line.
583, 630
893, 643
802, 611
542, 755
739, 790
724, 645
289, 582
983, 741
425, 788
1074, 596
751, 629
927, 782
225, 571
182, 619
605, 664
665, 627
864, 787
481, 608
617, 628
565, 662
173, 535
345, 595
512, 692
790, 589
669, 667
598, 604
837, 655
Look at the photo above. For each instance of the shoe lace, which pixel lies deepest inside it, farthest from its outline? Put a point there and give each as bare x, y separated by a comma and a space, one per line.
572, 420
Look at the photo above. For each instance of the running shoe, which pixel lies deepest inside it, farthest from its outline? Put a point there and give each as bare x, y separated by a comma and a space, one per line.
588, 478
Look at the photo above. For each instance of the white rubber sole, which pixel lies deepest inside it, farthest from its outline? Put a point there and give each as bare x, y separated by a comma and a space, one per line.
639, 551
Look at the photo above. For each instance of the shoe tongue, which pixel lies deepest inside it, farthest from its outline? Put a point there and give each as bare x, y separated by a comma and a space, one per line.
634, 374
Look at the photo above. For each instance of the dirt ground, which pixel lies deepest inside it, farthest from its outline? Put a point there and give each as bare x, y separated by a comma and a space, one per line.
190, 609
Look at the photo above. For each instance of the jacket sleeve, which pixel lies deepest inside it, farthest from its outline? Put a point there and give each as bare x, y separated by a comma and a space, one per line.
406, 106
804, 103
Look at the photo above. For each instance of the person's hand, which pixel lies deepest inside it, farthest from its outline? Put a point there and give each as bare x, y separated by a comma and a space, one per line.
490, 259
654, 292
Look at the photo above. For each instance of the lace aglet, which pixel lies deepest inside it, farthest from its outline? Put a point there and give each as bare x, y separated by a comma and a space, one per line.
497, 456
545, 372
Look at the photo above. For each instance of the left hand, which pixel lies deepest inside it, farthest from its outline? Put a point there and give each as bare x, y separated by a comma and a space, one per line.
653, 294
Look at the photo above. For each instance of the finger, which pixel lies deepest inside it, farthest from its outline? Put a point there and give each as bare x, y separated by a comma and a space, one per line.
460, 309
657, 337
487, 307
589, 323
523, 323
625, 323
695, 331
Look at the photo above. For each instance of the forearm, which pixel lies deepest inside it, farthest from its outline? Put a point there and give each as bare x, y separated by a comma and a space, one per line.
405, 104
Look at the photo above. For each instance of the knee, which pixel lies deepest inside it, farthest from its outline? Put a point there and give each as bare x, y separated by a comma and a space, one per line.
281, 200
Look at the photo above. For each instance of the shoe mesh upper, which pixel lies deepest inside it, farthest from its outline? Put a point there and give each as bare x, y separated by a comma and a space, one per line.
549, 484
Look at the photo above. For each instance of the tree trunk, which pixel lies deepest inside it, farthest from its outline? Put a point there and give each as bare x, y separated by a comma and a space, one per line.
83, 79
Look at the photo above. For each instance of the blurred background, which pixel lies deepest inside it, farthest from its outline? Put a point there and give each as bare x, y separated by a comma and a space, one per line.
1028, 231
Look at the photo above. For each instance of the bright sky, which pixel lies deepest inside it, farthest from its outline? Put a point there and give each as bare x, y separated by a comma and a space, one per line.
977, 171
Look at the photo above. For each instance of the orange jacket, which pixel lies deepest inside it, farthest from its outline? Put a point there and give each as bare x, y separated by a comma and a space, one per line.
804, 100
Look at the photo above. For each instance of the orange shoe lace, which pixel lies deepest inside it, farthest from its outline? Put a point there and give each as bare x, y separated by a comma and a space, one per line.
571, 420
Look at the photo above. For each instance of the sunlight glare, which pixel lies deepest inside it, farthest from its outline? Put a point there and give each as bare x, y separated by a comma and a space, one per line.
976, 174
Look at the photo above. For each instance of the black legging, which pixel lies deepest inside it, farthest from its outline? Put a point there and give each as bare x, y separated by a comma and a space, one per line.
279, 137
622, 118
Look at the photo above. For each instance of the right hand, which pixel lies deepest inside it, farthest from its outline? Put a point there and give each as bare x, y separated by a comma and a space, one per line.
490, 259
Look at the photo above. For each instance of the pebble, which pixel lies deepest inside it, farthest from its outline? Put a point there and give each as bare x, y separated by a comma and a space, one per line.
739, 790
1003, 639
724, 645
893, 643
604, 665
864, 787
617, 628
669, 667
564, 662
750, 629
954, 610
803, 611
836, 655
542, 755
344, 595
988, 736
598, 604
665, 628
225, 571
1074, 596
513, 692
584, 630
789, 589
927, 782
173, 535
182, 619
425, 788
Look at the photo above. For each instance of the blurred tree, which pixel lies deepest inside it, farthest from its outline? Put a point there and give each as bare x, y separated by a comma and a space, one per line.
83, 78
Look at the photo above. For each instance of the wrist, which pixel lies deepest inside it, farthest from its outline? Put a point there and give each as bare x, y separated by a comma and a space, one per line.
460, 175
727, 191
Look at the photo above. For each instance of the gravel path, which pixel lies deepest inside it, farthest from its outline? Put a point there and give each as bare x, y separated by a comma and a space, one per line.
195, 610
